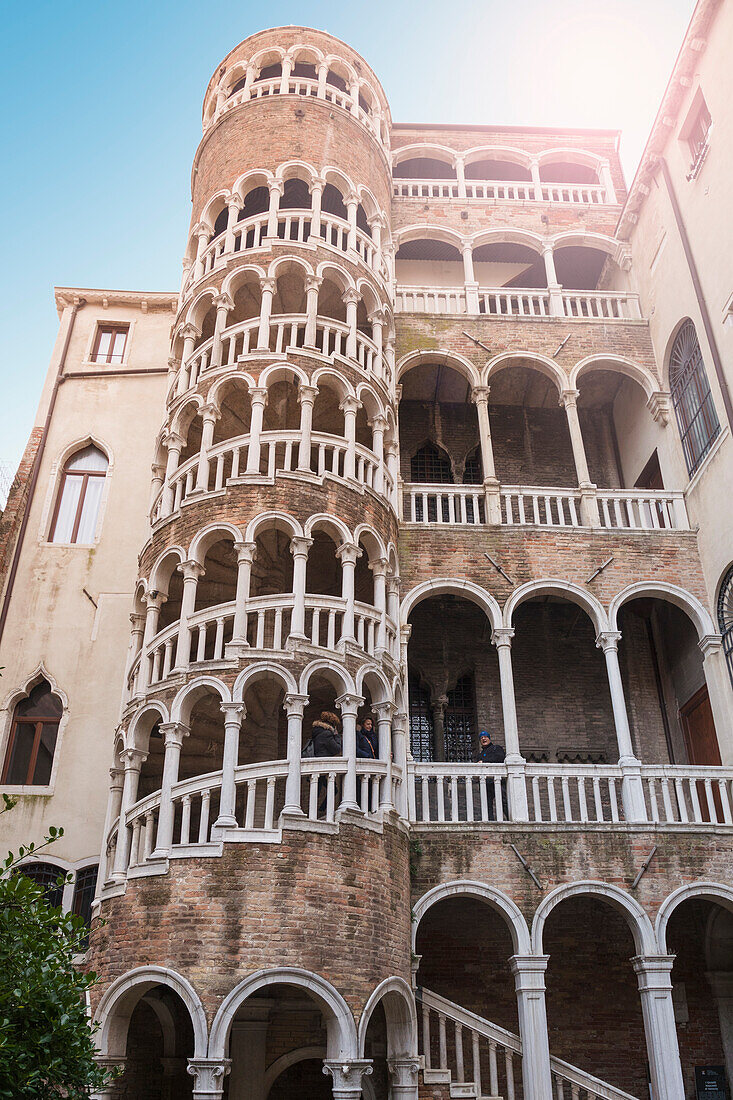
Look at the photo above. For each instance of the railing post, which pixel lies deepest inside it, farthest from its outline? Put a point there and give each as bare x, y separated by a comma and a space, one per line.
349, 706
632, 790
174, 733
655, 989
191, 571
293, 706
529, 982
348, 553
501, 637
134, 759
234, 714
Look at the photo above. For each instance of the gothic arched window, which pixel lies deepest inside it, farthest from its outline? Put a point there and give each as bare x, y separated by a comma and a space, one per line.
45, 875
431, 465
79, 497
725, 618
33, 733
693, 402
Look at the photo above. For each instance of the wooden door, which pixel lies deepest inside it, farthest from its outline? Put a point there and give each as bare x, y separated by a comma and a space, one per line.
701, 740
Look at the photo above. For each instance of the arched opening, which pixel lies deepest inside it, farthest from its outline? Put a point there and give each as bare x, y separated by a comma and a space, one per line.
296, 196
159, 1042
563, 171
247, 299
375, 1047
269, 72
593, 1005
220, 222
235, 407
207, 327
328, 417
256, 201
33, 733
169, 581
323, 571
494, 168
302, 1078
282, 411
272, 569
332, 202
464, 946
507, 264
289, 294
264, 729
428, 262
218, 583
330, 301
364, 577
424, 168
580, 267
725, 617
79, 497
454, 679
529, 430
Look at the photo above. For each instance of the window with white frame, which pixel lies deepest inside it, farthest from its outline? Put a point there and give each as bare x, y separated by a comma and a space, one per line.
79, 497
33, 734
110, 342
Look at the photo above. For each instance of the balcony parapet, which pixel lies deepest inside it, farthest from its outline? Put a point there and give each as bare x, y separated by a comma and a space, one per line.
527, 304
585, 194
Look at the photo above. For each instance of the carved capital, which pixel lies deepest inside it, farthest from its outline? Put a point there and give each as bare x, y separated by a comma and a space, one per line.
209, 1074
502, 636
608, 639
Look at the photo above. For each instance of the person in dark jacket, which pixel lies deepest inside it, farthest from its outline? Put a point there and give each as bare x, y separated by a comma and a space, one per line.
366, 740
326, 735
489, 753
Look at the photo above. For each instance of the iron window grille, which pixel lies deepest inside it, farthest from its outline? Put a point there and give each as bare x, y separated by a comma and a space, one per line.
697, 419
460, 721
431, 466
49, 878
421, 720
725, 619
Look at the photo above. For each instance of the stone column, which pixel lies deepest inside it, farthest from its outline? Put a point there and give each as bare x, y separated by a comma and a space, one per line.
299, 548
502, 636
480, 398
223, 304
378, 424
721, 986
403, 1074
375, 226
174, 733
589, 500
347, 1077
384, 712
529, 982
249, 76
306, 396
537, 182
348, 553
354, 93
209, 415
393, 469
203, 232
246, 553
277, 187
174, 444
153, 603
460, 166
191, 571
350, 406
469, 279
258, 397
655, 989
606, 179
378, 568
438, 709
232, 219
312, 286
208, 1077
234, 714
631, 784
322, 77
133, 759
136, 642
157, 469
114, 802
352, 205
393, 609
349, 706
400, 724
293, 706
316, 190
556, 304
267, 285
351, 300
719, 692
287, 68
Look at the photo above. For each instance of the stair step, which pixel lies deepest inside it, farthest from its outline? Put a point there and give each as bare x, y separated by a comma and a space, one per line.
465, 1089
436, 1076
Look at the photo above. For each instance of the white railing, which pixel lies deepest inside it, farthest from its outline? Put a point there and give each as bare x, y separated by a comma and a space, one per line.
593, 194
647, 510
286, 330
520, 302
486, 1059
260, 797
267, 627
547, 507
279, 452
678, 794
451, 504
442, 793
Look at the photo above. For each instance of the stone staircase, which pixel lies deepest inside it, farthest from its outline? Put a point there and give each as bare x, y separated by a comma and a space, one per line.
467, 1056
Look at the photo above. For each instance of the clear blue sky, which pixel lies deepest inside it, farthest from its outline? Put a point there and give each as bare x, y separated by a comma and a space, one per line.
102, 110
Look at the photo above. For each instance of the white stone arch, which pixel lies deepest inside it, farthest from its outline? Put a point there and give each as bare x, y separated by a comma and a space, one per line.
342, 1040
224, 380
372, 540
260, 671
336, 62
268, 54
371, 207
636, 917
238, 277
248, 181
237, 72
333, 379
281, 372
289, 262
369, 295
205, 538
296, 170
332, 525
330, 269
137, 736
338, 179
566, 590
584, 238
471, 888
215, 205
497, 152
509, 236
280, 521
451, 359
419, 150
571, 156
399, 1008
716, 892
122, 996
304, 48
367, 673
185, 413
531, 359
618, 363
159, 580
370, 399
428, 232
285, 1061
88, 440
188, 695
339, 676
455, 586
670, 593
199, 307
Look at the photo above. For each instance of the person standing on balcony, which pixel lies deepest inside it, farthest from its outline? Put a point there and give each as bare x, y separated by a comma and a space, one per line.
326, 738
490, 753
366, 739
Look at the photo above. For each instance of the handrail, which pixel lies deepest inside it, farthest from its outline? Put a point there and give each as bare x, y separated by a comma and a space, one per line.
526, 303
503, 190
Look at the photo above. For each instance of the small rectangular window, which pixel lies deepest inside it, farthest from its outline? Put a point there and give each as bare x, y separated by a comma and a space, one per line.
110, 343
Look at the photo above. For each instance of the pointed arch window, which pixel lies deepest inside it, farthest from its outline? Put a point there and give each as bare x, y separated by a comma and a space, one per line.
49, 877
33, 734
431, 465
79, 497
697, 419
421, 718
725, 618
460, 720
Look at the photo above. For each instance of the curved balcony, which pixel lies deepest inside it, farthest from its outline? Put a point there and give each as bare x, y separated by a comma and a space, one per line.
279, 452
578, 305
267, 626
287, 331
587, 194
292, 227
258, 799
